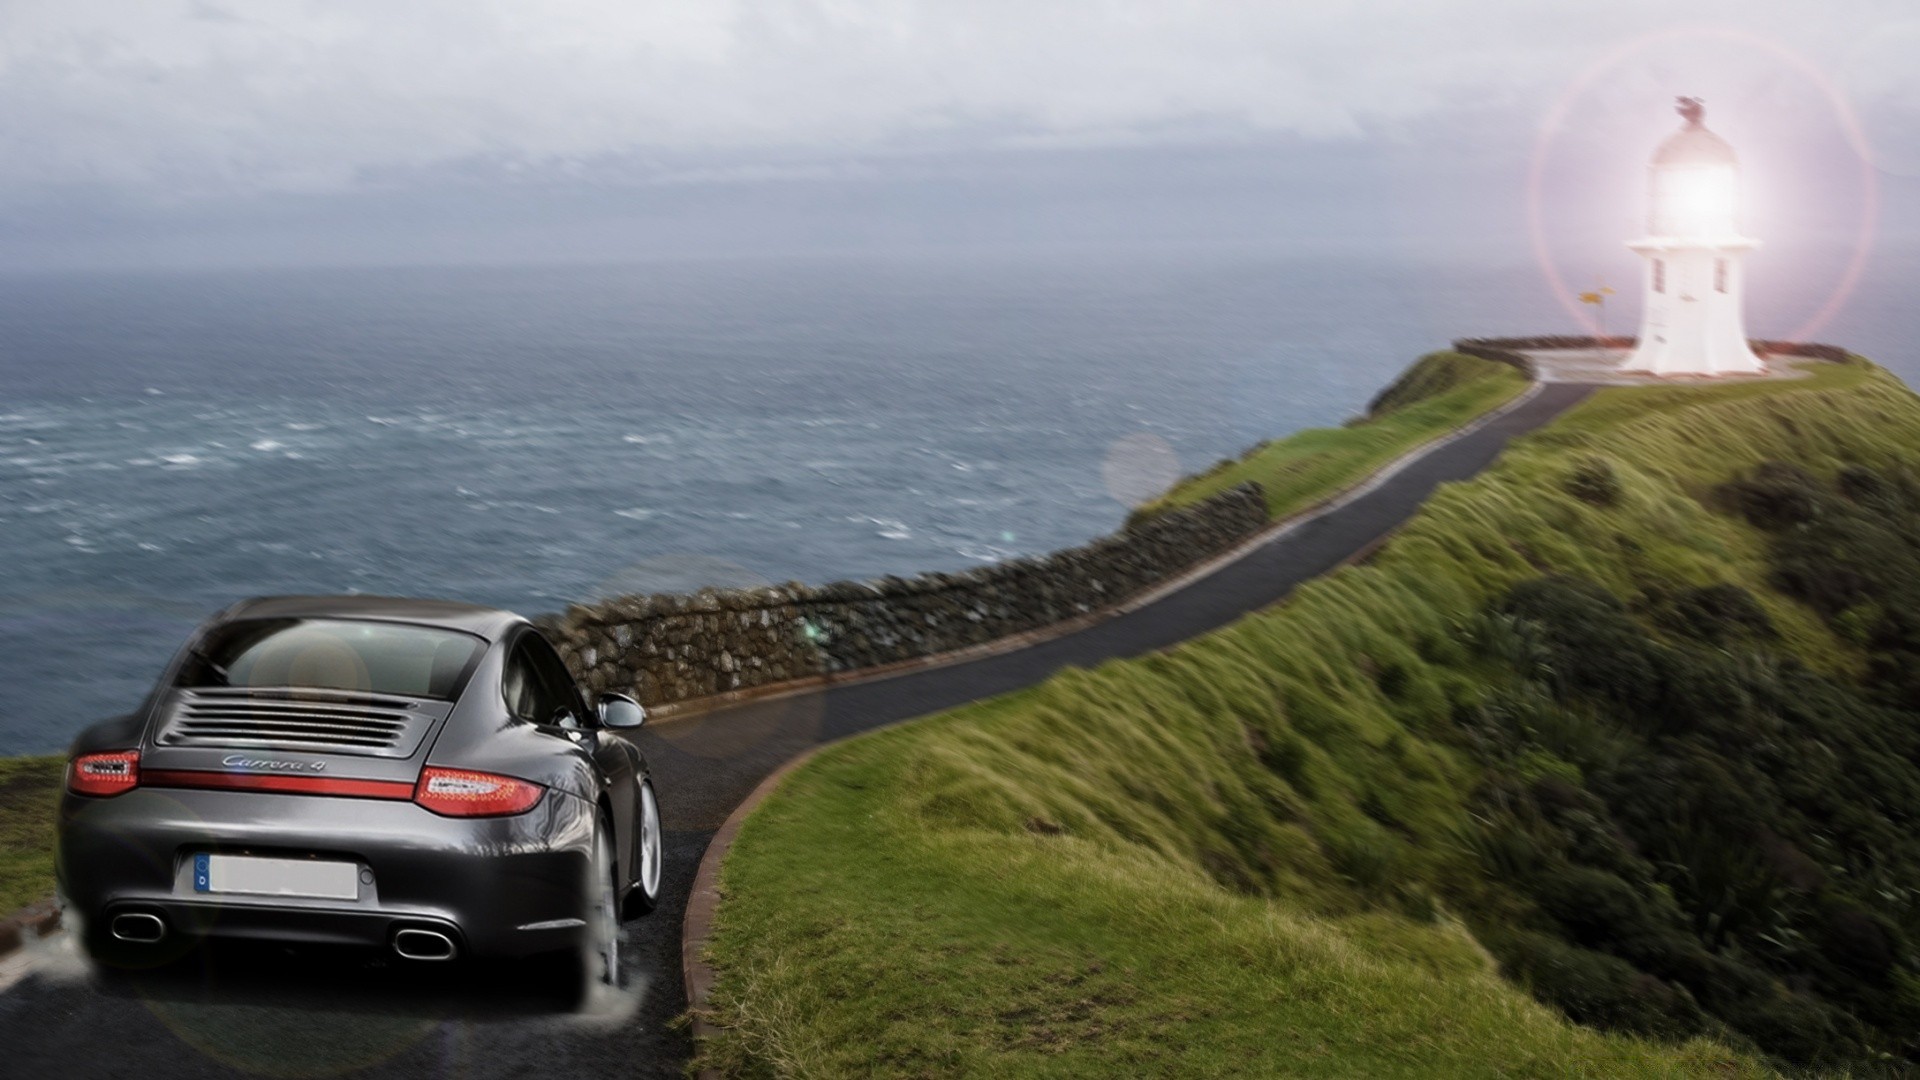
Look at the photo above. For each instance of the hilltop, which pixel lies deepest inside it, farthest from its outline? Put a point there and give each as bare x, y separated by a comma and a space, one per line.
1607, 764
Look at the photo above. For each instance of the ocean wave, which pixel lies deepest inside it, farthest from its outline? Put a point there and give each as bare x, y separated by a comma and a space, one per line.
266, 445
636, 513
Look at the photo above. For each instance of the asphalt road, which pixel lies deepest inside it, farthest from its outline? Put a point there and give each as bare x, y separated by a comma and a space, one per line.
281, 1015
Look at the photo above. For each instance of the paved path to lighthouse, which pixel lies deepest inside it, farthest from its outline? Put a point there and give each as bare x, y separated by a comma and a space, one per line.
278, 1016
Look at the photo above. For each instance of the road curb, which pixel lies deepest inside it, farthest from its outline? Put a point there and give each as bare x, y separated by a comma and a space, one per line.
704, 900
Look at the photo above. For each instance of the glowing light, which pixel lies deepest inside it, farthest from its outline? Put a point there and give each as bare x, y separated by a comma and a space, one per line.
1867, 198
1696, 201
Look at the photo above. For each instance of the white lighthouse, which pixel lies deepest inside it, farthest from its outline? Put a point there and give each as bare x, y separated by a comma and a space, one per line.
1691, 322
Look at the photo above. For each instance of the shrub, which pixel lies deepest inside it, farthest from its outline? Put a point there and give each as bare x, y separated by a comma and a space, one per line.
1361, 850
1774, 496
1718, 613
1432, 375
1593, 481
1799, 1028
1593, 647
1859, 941
1594, 988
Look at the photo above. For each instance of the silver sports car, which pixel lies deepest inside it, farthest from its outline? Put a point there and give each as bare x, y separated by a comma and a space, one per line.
415, 776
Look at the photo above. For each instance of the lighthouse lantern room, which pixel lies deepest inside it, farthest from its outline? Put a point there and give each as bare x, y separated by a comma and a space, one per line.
1691, 322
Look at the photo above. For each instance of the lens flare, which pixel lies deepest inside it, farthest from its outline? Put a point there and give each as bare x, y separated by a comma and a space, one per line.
1139, 468
1883, 82
1848, 123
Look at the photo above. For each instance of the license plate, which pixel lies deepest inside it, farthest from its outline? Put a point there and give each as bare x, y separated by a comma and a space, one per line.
258, 876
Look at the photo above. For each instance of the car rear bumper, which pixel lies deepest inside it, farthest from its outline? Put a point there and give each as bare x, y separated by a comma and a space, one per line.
506, 887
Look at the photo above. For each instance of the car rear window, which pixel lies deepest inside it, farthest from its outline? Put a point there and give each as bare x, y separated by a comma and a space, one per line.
333, 654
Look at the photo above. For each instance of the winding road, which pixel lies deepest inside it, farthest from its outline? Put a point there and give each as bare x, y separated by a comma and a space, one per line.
276, 1015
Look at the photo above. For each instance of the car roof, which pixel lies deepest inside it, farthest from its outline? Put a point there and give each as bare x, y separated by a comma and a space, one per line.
489, 623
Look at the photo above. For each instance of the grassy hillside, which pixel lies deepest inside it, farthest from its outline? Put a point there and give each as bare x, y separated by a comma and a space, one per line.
1437, 394
29, 789
1607, 765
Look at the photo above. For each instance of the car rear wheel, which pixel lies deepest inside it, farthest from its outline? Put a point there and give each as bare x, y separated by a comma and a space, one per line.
602, 959
645, 894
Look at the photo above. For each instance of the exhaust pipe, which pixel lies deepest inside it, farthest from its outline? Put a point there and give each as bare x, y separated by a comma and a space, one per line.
413, 943
138, 926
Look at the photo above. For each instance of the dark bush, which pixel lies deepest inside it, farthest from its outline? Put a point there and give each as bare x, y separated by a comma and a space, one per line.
1287, 755
1594, 988
1858, 941
1859, 483
1604, 912
1558, 795
1596, 908
1717, 613
1740, 836
1593, 647
1775, 496
1593, 481
1393, 679
1432, 375
1799, 1028
1895, 679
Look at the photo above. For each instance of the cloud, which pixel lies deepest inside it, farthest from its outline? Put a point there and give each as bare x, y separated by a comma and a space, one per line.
199, 99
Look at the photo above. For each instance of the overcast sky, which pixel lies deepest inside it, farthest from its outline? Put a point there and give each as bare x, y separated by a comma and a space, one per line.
185, 131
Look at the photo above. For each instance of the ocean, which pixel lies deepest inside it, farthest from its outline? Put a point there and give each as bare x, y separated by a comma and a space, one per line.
524, 437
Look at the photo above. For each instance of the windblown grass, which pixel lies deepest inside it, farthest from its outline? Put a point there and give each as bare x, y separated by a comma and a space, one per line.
1251, 855
1439, 393
29, 790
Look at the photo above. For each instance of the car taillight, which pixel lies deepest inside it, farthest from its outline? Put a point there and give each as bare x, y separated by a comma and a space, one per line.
459, 793
104, 774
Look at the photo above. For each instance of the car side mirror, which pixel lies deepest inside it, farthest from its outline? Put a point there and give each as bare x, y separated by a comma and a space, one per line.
621, 712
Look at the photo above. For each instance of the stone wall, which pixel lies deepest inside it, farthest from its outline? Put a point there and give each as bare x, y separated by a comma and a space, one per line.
666, 648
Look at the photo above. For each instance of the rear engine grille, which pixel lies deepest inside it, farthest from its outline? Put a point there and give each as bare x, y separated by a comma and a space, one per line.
335, 722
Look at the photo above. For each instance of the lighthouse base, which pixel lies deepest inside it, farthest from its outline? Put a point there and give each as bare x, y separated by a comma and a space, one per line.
1708, 359
1603, 366
1691, 321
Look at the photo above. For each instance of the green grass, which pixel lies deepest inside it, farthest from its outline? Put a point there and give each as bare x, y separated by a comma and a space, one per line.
1251, 855
862, 940
1439, 393
29, 789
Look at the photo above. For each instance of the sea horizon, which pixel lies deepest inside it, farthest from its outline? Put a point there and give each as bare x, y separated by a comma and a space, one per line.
525, 437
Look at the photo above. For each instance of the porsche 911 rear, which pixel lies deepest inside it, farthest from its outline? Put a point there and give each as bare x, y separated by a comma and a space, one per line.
281, 785
451, 864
